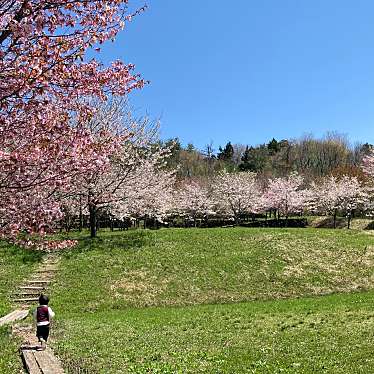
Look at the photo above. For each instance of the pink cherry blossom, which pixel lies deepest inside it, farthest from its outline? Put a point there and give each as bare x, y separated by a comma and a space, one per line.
334, 194
193, 200
236, 194
285, 195
44, 80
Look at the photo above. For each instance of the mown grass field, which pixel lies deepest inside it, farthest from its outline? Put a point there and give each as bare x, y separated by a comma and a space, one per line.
217, 301
15, 265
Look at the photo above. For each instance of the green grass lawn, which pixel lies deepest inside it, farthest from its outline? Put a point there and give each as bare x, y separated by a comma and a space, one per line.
217, 301
15, 265
9, 352
331, 334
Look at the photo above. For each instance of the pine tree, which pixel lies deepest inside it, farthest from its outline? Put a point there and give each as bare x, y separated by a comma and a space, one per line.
245, 164
273, 147
227, 153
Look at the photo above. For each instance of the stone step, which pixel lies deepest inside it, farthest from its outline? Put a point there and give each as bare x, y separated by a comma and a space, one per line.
26, 300
39, 288
41, 281
44, 361
38, 281
30, 290
14, 316
28, 294
46, 270
31, 364
48, 362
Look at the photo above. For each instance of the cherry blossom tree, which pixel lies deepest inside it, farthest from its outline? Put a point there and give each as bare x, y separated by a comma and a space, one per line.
147, 193
333, 194
368, 164
193, 200
134, 171
368, 169
44, 74
236, 194
285, 195
133, 183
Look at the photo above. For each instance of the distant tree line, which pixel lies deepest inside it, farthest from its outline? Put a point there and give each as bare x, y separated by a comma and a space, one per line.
314, 158
273, 184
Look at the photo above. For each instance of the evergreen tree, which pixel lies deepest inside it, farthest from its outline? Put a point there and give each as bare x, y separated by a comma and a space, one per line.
366, 148
245, 164
190, 148
273, 147
227, 153
254, 159
175, 150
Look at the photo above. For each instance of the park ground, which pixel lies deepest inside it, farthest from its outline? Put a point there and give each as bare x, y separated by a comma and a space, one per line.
224, 300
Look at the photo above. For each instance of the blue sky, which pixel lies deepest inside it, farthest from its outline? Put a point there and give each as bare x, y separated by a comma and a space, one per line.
250, 70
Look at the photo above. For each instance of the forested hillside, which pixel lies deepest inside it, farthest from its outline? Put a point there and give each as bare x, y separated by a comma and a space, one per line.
310, 156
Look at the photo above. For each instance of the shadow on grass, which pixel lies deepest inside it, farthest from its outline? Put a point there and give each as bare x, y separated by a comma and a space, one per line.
328, 223
20, 255
107, 241
283, 222
370, 226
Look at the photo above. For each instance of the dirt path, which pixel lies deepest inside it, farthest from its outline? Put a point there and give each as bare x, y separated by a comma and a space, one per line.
26, 299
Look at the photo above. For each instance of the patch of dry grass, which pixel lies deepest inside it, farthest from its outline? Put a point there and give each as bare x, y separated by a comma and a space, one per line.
139, 284
208, 266
339, 269
103, 292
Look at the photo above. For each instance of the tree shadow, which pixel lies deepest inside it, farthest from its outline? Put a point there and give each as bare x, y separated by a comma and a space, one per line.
125, 241
19, 254
370, 226
328, 223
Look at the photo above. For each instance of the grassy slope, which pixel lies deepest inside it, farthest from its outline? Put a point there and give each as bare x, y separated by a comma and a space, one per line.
15, 265
101, 295
9, 354
184, 267
332, 334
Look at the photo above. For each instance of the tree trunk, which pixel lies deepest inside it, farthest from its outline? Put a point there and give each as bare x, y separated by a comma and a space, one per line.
80, 215
349, 220
335, 213
93, 216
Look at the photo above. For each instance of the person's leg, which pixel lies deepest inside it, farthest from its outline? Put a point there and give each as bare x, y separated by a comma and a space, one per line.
39, 335
43, 333
39, 332
46, 333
